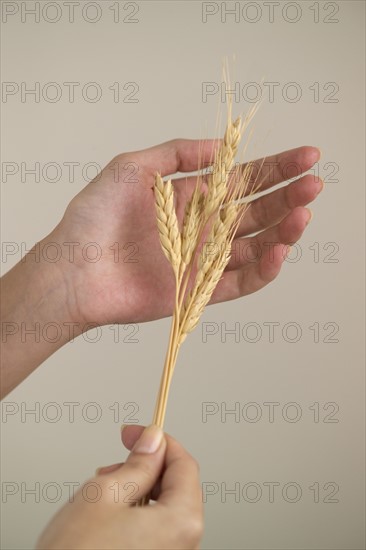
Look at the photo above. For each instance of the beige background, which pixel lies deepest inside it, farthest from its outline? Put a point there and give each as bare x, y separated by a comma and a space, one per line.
169, 52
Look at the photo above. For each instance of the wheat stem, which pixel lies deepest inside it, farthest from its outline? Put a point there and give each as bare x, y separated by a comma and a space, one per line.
218, 211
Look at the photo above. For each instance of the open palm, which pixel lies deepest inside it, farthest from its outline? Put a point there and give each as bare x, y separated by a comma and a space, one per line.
127, 278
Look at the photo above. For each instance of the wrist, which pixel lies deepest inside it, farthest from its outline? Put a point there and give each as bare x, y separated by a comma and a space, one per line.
56, 270
37, 314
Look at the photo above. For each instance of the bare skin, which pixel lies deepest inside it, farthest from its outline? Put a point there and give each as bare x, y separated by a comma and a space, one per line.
69, 295
175, 521
132, 281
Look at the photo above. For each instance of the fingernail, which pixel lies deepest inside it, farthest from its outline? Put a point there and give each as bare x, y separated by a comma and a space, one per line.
288, 250
123, 427
149, 441
310, 216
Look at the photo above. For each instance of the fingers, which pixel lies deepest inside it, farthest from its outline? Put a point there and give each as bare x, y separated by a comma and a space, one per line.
180, 479
256, 261
188, 155
130, 434
251, 277
287, 232
177, 492
180, 495
108, 469
180, 484
142, 467
178, 155
283, 166
274, 207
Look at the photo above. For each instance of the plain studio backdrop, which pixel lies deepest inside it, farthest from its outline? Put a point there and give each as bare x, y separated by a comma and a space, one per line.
268, 393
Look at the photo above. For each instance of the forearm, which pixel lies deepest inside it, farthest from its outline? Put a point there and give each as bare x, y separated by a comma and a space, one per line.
35, 316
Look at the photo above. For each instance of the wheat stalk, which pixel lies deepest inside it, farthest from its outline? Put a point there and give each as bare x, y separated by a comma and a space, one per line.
215, 210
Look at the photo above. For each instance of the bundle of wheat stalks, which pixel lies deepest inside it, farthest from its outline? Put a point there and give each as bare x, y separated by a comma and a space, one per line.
200, 250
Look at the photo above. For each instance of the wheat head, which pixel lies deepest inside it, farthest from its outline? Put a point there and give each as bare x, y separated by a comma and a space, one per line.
167, 222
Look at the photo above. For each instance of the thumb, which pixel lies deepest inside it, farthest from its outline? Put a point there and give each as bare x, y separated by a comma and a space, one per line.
145, 462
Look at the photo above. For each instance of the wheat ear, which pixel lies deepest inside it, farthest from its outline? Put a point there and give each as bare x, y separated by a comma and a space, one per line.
215, 210
167, 222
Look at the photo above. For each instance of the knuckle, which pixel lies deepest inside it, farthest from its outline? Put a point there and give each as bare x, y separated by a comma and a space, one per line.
124, 159
176, 142
124, 167
195, 526
189, 531
196, 529
259, 213
100, 482
119, 158
91, 491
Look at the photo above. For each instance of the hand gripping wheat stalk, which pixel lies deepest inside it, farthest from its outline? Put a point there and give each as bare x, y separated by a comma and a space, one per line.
200, 251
